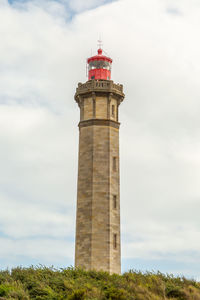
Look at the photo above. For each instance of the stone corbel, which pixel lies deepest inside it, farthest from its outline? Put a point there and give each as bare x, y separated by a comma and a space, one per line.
81, 106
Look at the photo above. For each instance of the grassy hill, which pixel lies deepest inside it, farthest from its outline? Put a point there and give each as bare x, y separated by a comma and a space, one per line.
48, 284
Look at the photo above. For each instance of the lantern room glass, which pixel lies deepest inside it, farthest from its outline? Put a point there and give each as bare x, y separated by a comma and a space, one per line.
99, 64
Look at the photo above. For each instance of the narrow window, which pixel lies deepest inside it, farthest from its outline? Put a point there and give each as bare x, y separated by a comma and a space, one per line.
114, 163
114, 201
113, 110
115, 241
94, 108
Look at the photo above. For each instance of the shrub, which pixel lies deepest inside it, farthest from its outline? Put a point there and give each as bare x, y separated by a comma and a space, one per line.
43, 283
4, 289
77, 295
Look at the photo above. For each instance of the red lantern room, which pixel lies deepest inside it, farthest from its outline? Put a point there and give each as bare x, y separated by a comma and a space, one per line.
99, 66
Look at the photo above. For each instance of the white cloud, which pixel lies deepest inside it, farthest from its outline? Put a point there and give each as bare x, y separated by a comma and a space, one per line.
79, 5
156, 56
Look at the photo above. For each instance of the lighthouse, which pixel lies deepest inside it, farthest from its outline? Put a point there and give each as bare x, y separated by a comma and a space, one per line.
98, 243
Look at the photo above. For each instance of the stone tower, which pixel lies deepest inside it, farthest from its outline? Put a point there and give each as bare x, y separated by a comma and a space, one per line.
98, 198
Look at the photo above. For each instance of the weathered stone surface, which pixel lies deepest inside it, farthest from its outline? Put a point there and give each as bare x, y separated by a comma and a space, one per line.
98, 199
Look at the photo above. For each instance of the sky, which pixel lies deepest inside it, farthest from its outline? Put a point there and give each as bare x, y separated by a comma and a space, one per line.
155, 49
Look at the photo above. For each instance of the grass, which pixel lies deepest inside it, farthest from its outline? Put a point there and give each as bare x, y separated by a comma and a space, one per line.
43, 283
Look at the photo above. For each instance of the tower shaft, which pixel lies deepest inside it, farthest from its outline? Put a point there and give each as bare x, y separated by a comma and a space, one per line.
98, 198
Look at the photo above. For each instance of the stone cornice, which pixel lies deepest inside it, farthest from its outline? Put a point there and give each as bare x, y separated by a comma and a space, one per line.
99, 87
99, 122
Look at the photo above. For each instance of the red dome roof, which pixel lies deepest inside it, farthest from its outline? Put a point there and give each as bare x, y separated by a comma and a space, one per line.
99, 57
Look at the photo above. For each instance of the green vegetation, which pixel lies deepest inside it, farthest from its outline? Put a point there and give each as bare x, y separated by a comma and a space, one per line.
43, 283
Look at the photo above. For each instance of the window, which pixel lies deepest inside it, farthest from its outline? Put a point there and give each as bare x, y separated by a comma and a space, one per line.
115, 241
113, 110
114, 201
94, 107
114, 163
99, 64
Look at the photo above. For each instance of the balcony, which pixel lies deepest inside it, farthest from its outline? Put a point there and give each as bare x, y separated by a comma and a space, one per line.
107, 86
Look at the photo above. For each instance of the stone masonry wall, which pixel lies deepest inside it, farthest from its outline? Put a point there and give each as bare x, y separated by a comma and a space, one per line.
98, 199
